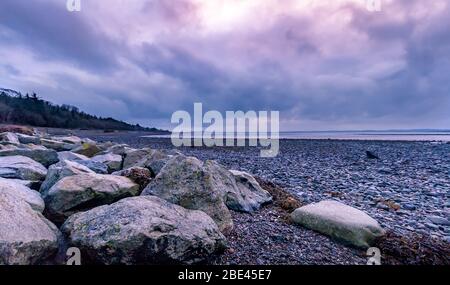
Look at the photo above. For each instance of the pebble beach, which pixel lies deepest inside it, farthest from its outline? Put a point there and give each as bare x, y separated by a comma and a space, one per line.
407, 190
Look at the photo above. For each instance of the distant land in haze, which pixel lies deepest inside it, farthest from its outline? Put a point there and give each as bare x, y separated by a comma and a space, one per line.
16, 108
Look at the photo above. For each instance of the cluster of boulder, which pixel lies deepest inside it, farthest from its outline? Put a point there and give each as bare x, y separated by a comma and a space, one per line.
117, 204
121, 205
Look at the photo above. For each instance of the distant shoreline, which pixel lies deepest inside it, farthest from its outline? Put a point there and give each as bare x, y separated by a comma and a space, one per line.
348, 136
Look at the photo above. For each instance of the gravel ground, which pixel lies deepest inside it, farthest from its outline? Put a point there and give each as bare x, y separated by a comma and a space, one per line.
265, 238
407, 190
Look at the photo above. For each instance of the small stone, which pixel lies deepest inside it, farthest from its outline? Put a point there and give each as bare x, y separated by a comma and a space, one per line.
409, 207
439, 220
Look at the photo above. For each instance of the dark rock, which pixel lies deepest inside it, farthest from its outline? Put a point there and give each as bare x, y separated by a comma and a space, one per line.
371, 155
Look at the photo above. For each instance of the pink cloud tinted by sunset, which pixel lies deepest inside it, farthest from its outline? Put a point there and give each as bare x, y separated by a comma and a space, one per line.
323, 64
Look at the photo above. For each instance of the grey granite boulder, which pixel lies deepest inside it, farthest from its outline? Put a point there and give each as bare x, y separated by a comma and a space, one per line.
185, 181
88, 149
68, 155
21, 167
245, 195
62, 169
38, 153
139, 175
9, 138
82, 192
112, 161
72, 140
144, 230
132, 157
120, 149
33, 198
95, 166
26, 237
57, 145
157, 160
339, 221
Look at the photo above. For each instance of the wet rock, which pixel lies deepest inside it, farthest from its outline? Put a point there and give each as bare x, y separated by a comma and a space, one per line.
144, 230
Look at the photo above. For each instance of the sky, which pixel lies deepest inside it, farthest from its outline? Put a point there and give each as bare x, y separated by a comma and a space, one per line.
323, 64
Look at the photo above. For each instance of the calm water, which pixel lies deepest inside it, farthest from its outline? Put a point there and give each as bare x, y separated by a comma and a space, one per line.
365, 135
362, 135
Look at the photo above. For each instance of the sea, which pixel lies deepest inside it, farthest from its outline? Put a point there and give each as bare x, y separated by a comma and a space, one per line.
388, 135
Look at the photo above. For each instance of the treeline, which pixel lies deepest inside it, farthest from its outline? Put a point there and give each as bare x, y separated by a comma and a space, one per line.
16, 108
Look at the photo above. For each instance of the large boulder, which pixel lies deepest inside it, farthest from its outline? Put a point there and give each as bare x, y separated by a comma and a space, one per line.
95, 166
57, 145
22, 192
26, 237
35, 185
241, 192
68, 155
73, 140
39, 153
26, 139
82, 192
88, 149
17, 129
21, 167
139, 175
144, 230
120, 149
339, 221
9, 138
155, 160
112, 161
62, 169
132, 157
185, 181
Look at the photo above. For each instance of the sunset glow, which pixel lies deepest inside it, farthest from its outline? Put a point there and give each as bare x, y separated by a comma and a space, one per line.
306, 58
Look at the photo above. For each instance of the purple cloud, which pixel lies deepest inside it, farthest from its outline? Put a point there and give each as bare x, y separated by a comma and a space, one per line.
323, 64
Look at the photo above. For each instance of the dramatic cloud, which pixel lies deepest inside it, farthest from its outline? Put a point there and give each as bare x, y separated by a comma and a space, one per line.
324, 64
